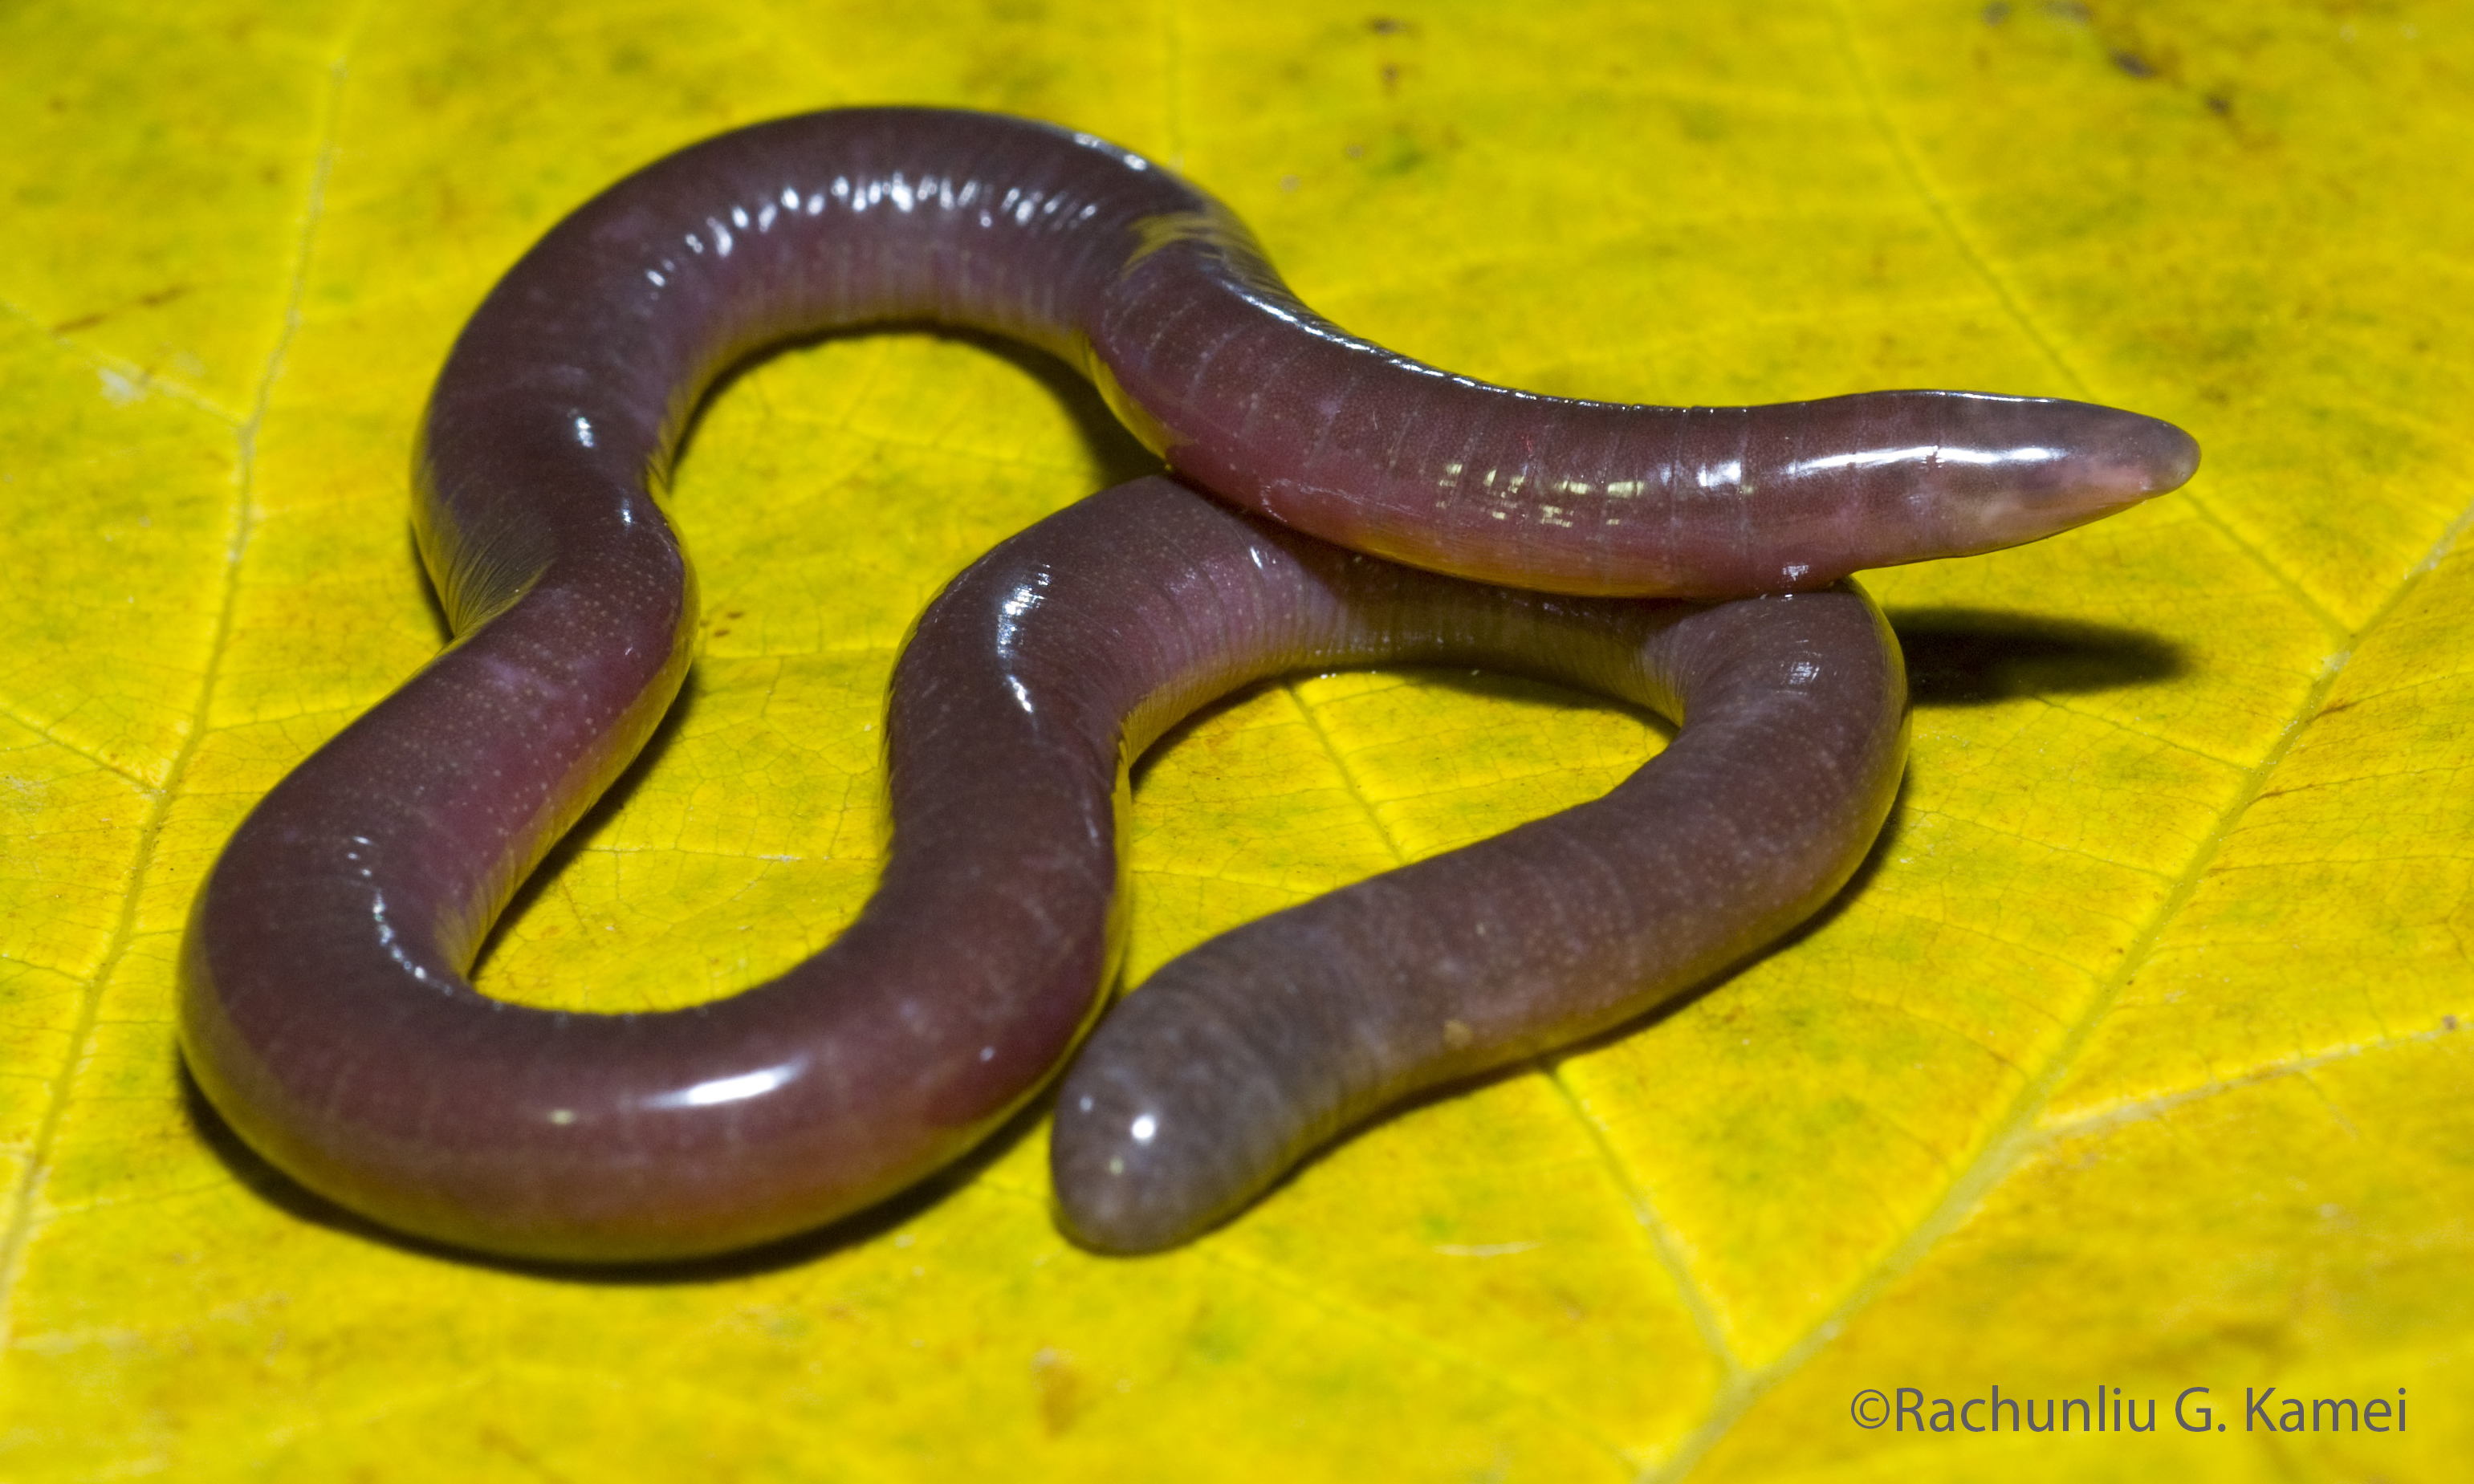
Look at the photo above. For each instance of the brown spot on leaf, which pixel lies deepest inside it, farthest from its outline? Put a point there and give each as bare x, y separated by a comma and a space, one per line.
1060, 1389
160, 295
500, 1441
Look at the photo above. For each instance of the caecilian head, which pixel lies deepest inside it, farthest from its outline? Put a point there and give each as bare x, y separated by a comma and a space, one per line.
1975, 472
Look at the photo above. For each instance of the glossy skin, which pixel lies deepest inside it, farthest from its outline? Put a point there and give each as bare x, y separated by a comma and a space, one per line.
1240, 1057
324, 1009
573, 378
326, 1013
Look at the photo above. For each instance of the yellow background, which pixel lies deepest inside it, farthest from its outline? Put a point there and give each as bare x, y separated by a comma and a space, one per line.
2132, 1059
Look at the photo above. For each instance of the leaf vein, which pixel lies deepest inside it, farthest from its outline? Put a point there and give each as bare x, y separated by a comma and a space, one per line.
17, 1228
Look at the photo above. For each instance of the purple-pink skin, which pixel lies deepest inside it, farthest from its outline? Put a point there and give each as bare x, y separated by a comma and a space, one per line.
1241, 1056
325, 1008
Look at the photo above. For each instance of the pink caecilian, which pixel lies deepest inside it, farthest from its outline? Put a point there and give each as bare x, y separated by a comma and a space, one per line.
325, 1005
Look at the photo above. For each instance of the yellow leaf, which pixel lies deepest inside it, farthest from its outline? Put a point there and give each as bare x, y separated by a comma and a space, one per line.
2132, 1060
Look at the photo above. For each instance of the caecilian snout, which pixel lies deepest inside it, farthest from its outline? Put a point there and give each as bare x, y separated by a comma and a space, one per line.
2143, 456
2086, 460
2010, 469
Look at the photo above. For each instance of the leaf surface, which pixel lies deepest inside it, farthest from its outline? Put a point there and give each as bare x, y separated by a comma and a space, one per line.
2131, 1060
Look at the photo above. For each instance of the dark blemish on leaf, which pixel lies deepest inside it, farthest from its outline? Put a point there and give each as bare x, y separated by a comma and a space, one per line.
1701, 123
2133, 63
1390, 78
2066, 10
82, 321
499, 1442
1996, 13
1386, 26
1213, 1339
2219, 105
2448, 1022
1401, 155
